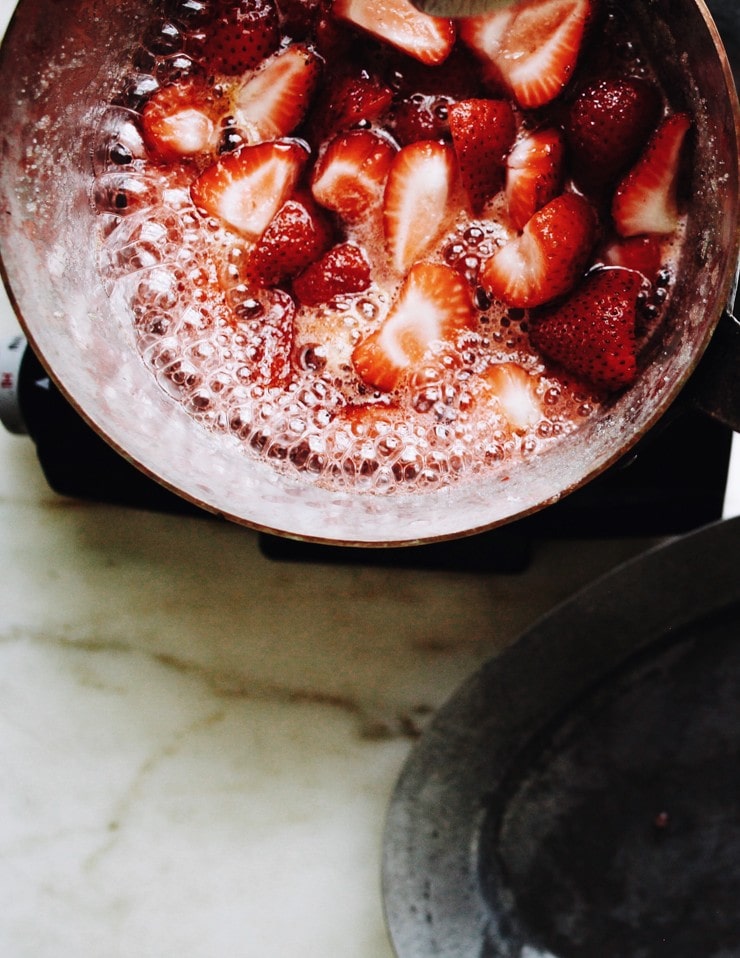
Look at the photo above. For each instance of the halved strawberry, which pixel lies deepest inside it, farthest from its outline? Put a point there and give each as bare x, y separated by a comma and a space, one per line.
432, 307
239, 37
547, 258
399, 23
181, 120
343, 269
415, 203
641, 253
482, 133
510, 387
349, 177
347, 100
534, 173
245, 189
273, 100
592, 333
646, 200
297, 235
532, 46
608, 125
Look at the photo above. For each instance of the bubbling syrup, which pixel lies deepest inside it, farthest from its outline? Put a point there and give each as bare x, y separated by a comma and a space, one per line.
204, 331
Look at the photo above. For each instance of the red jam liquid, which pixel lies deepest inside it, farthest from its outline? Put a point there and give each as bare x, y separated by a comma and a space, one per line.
201, 329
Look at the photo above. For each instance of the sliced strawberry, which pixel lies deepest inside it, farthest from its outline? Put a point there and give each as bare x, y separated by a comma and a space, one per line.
343, 269
510, 387
399, 23
239, 37
641, 253
245, 189
532, 46
273, 100
181, 120
534, 173
298, 234
592, 333
350, 176
646, 200
432, 307
547, 258
482, 133
347, 100
415, 203
608, 125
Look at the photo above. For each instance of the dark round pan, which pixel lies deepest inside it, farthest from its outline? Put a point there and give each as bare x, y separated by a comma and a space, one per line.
578, 796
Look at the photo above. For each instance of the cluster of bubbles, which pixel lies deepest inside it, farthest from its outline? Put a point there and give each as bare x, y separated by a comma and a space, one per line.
217, 347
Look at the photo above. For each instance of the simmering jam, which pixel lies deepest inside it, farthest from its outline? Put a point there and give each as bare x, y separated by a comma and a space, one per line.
384, 250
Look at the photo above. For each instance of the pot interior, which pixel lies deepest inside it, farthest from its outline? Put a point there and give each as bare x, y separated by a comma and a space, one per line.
59, 63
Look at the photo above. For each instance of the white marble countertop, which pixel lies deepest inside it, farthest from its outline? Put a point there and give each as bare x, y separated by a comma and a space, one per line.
197, 745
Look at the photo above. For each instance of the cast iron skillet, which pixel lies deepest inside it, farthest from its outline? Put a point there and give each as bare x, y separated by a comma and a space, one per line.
578, 796
60, 62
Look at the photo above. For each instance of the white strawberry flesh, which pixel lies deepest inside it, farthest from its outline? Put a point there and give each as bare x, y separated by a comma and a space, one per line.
415, 205
273, 100
514, 391
646, 199
432, 307
399, 23
245, 189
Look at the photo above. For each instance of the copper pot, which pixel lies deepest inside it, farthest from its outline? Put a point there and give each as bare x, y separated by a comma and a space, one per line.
58, 64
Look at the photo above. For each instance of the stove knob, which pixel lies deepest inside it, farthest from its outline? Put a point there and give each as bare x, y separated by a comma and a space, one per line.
11, 357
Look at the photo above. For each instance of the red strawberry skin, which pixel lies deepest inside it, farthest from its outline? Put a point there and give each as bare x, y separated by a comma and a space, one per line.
646, 199
607, 127
482, 134
422, 116
298, 234
240, 36
343, 269
547, 259
346, 100
641, 253
592, 333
